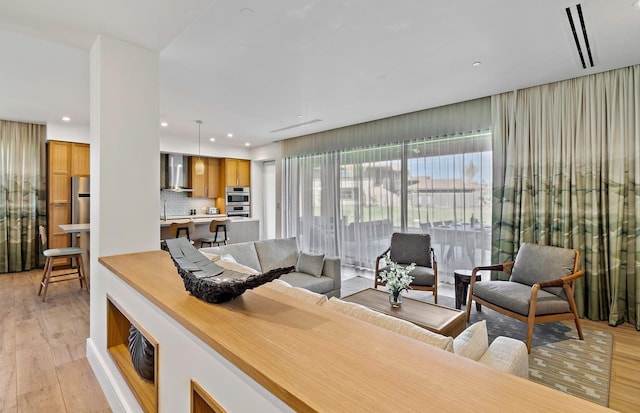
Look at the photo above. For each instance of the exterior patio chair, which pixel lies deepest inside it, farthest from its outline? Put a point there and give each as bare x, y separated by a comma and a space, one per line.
539, 290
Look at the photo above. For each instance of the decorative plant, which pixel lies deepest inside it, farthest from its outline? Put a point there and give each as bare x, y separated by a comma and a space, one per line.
396, 276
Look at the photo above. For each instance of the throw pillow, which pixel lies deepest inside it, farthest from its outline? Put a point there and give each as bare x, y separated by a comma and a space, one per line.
210, 257
237, 267
472, 342
227, 258
227, 262
310, 264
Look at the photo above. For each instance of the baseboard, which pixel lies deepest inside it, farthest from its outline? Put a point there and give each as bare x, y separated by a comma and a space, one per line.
116, 399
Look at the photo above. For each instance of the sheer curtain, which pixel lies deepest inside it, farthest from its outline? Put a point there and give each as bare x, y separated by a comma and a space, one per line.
22, 194
310, 207
449, 183
348, 203
567, 174
370, 201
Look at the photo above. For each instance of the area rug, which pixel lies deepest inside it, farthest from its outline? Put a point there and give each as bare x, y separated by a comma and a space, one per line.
578, 367
558, 358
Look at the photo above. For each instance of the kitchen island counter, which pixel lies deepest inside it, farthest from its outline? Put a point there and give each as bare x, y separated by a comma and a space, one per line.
239, 229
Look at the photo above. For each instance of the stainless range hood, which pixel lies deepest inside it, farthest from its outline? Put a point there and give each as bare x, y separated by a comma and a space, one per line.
173, 172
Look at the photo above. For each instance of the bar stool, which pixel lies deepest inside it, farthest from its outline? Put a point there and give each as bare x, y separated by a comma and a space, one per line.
218, 229
74, 253
179, 229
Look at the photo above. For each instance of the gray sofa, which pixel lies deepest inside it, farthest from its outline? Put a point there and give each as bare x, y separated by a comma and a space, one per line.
316, 273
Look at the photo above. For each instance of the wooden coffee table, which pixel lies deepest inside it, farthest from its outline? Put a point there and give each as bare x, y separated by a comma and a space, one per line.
437, 318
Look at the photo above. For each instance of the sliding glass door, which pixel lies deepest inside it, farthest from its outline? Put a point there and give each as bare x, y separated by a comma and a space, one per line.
370, 202
449, 197
348, 203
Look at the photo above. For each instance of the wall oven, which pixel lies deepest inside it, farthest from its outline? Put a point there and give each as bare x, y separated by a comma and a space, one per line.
239, 211
238, 196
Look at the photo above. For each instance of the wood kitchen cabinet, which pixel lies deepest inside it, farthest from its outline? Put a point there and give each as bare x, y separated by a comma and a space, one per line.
80, 159
64, 160
237, 172
205, 185
197, 182
213, 180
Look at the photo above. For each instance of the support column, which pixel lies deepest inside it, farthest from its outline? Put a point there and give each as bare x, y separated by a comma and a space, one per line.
125, 184
125, 148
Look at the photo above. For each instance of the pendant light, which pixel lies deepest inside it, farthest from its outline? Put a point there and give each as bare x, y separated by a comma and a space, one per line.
199, 168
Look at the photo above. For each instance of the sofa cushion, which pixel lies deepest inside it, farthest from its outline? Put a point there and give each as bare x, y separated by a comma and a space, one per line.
390, 323
421, 275
296, 292
516, 297
537, 263
472, 342
310, 264
316, 284
508, 355
276, 253
244, 253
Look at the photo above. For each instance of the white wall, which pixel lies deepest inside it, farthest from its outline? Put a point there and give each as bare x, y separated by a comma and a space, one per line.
271, 152
68, 133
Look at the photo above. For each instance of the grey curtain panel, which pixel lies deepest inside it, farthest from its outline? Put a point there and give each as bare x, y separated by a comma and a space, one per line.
22, 194
567, 173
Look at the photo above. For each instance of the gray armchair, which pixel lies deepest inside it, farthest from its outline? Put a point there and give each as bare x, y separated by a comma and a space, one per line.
539, 290
409, 248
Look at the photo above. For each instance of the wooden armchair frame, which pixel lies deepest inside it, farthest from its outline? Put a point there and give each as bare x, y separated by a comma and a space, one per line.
567, 283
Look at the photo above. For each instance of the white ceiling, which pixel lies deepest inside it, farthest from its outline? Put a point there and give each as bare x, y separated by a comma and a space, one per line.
251, 67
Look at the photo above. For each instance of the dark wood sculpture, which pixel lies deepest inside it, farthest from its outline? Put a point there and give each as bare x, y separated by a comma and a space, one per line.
208, 281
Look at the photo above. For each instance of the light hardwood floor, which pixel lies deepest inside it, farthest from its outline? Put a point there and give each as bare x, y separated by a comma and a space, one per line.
43, 366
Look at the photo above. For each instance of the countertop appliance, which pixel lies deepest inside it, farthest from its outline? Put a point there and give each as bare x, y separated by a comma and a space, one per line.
80, 203
238, 195
212, 211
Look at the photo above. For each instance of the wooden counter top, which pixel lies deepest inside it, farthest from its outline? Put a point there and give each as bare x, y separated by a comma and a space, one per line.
317, 360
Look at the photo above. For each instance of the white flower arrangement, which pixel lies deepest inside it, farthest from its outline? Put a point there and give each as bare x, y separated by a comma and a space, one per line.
396, 277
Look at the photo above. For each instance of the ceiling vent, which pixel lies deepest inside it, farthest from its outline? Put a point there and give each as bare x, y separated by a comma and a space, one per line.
580, 37
309, 122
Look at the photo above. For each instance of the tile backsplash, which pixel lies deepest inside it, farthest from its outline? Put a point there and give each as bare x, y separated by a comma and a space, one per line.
178, 203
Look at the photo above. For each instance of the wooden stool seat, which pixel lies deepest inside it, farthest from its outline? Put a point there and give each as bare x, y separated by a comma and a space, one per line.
218, 229
73, 253
179, 229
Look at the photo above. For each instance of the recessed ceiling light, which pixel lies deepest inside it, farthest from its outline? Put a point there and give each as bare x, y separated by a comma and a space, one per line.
212, 139
476, 64
164, 124
229, 135
301, 115
247, 144
66, 119
247, 11
636, 4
